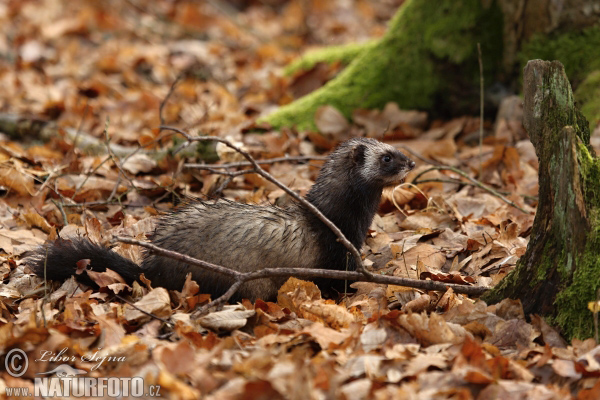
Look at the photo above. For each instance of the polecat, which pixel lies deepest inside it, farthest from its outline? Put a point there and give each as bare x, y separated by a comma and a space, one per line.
250, 237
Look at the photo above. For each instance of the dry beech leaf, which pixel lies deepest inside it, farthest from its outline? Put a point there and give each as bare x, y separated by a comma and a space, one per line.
400, 195
139, 163
106, 278
324, 335
566, 369
295, 292
448, 301
396, 116
549, 335
16, 180
332, 315
227, 154
230, 318
34, 219
430, 256
418, 305
377, 242
330, 120
422, 362
428, 220
514, 332
156, 302
431, 330
373, 337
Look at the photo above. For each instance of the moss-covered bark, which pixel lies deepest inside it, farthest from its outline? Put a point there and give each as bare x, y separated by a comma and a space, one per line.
344, 54
425, 41
427, 60
560, 271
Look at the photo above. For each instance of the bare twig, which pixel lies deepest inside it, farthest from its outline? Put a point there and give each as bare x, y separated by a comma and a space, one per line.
242, 277
480, 111
88, 175
62, 211
85, 112
115, 159
341, 237
229, 173
459, 182
247, 164
475, 182
596, 315
166, 99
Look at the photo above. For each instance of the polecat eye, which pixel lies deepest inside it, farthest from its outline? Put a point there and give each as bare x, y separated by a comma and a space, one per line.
386, 158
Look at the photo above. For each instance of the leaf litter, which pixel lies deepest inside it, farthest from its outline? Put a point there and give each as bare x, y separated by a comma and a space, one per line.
96, 64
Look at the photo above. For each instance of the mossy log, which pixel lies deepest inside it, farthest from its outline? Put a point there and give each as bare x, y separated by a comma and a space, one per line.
417, 61
428, 58
560, 272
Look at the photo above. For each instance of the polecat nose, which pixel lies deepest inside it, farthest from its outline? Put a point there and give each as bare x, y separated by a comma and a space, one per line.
411, 164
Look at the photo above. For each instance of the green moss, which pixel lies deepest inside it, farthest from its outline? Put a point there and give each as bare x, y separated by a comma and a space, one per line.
577, 51
343, 54
588, 95
424, 42
572, 314
563, 256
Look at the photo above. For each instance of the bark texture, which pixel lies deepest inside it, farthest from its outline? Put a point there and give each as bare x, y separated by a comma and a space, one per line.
560, 272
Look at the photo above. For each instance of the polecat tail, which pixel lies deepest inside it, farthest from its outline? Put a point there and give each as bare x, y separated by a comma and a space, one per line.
58, 261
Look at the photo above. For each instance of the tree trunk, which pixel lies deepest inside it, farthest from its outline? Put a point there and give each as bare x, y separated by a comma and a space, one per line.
560, 272
428, 58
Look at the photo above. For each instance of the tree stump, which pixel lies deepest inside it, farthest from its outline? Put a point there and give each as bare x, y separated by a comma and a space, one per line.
560, 272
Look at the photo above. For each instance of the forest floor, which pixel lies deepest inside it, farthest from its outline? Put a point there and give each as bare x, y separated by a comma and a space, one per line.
89, 83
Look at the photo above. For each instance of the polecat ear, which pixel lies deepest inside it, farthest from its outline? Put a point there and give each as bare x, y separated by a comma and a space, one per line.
358, 154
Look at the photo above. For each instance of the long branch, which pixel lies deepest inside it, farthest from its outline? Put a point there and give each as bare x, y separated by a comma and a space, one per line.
242, 277
246, 163
475, 182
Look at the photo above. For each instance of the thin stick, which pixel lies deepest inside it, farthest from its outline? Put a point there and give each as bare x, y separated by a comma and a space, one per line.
268, 161
459, 182
480, 111
596, 315
242, 277
474, 181
143, 311
166, 99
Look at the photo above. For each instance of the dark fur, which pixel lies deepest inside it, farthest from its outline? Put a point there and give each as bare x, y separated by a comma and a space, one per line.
249, 237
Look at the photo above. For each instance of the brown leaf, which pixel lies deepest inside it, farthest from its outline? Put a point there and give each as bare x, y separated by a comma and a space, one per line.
549, 335
324, 335
16, 180
102, 279
514, 332
156, 302
82, 266
330, 120
230, 318
419, 304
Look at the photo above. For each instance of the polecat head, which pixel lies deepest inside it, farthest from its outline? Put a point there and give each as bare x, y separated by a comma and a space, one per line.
376, 162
